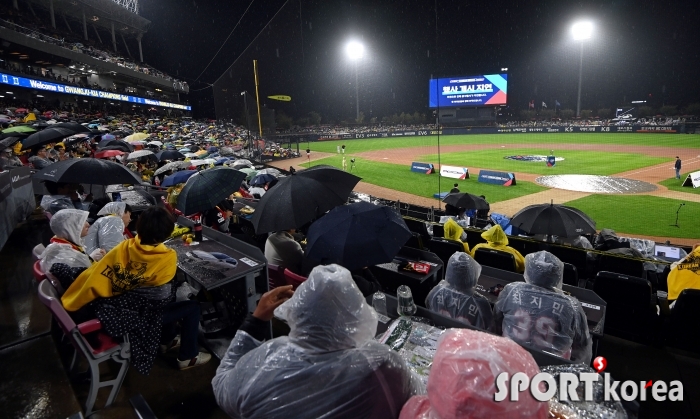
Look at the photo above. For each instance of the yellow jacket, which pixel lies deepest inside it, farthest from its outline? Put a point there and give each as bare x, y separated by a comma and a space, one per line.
686, 274
454, 232
498, 240
129, 265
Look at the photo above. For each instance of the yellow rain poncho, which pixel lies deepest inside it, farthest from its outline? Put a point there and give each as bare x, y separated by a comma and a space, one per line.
685, 274
454, 232
129, 265
498, 240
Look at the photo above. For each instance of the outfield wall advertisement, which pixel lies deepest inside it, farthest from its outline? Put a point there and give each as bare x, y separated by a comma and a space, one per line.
81, 91
661, 129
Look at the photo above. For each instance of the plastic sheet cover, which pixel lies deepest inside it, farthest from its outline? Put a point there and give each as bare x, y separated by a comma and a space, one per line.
462, 381
456, 295
598, 409
328, 366
108, 231
538, 314
66, 224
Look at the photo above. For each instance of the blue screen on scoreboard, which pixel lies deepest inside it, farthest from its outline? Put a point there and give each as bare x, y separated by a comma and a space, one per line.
459, 92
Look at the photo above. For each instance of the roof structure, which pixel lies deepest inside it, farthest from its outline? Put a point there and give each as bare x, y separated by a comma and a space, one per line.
102, 13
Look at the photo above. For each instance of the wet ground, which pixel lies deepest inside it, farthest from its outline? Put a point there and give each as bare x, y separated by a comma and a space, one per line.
596, 184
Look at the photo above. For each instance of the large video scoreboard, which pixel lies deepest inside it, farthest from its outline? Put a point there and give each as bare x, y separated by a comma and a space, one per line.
460, 92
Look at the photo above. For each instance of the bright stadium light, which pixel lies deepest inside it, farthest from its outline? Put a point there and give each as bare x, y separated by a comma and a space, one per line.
355, 50
581, 31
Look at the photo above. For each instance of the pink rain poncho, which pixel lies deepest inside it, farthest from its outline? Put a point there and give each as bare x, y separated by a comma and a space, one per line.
462, 382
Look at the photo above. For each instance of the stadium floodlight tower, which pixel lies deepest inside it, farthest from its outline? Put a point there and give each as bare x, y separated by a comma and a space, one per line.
581, 31
355, 52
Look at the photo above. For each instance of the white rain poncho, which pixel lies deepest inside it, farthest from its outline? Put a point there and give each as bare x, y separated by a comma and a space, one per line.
538, 314
66, 224
108, 231
328, 367
456, 296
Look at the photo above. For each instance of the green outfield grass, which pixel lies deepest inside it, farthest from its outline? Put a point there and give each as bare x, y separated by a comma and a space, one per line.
575, 162
675, 185
641, 214
359, 146
400, 178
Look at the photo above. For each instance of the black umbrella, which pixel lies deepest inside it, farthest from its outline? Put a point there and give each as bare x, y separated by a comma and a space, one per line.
73, 126
467, 201
552, 219
88, 170
204, 190
169, 155
122, 145
302, 197
357, 235
49, 135
8, 142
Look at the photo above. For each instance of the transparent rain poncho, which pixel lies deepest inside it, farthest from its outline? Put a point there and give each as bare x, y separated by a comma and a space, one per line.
462, 382
108, 231
328, 367
66, 224
538, 314
456, 296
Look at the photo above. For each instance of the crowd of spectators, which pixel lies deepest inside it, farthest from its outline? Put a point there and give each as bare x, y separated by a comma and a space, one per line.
649, 121
36, 29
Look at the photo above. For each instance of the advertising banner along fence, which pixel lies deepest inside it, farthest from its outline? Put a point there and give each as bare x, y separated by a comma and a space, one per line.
497, 178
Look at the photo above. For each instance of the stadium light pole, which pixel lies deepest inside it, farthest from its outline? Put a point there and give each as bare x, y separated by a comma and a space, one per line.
581, 31
355, 52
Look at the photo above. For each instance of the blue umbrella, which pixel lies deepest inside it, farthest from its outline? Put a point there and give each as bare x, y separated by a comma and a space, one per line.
107, 137
212, 149
357, 235
178, 177
221, 161
184, 150
262, 179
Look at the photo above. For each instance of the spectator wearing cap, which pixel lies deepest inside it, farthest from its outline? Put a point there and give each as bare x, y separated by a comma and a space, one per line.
219, 217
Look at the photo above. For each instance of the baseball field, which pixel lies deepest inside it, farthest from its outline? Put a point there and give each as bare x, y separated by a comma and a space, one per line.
384, 165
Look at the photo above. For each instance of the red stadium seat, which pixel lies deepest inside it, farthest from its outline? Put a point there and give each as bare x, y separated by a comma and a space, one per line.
293, 279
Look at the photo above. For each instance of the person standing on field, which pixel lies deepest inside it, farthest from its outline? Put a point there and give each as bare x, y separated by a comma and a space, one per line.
678, 167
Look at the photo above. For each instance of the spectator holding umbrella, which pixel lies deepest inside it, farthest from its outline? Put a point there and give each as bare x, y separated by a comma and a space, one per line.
219, 217
282, 250
109, 230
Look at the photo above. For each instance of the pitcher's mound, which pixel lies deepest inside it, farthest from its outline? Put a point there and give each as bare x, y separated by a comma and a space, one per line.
596, 184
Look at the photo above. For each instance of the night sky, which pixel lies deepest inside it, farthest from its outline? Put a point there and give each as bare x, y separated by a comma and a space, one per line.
639, 48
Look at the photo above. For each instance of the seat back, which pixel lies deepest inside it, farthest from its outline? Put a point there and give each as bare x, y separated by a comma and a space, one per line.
570, 275
438, 230
621, 265
275, 274
415, 241
682, 331
417, 226
630, 312
293, 279
49, 297
445, 248
573, 255
495, 258
37, 251
39, 275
